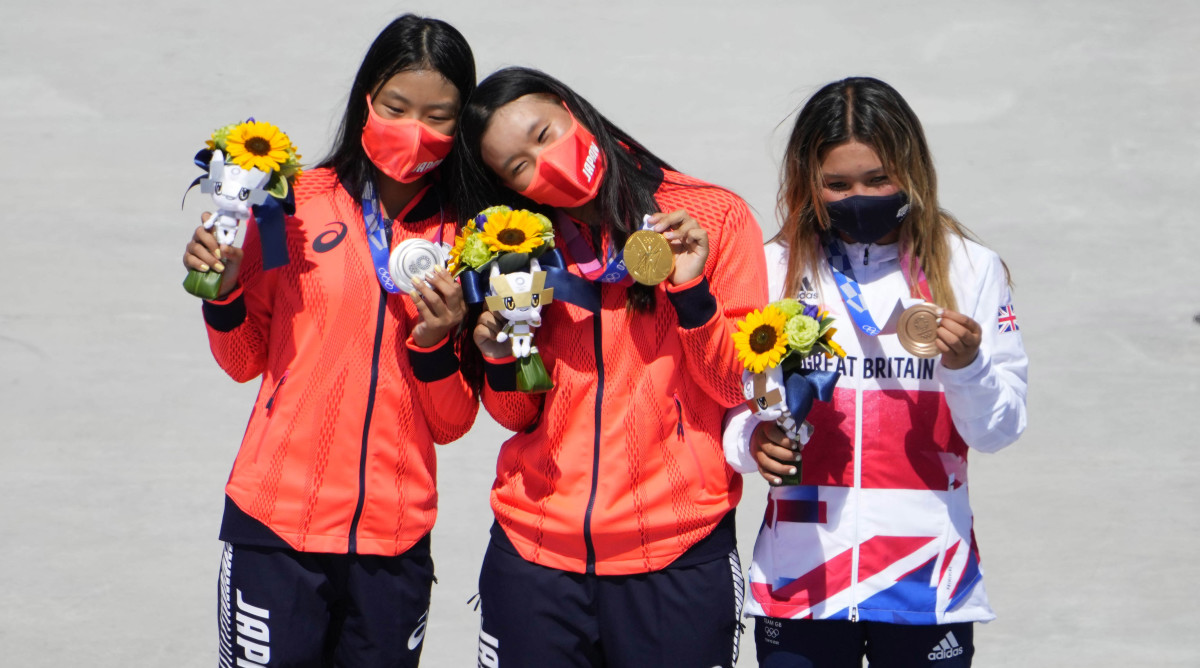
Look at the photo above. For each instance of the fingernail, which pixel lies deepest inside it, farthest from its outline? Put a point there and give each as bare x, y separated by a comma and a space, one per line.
941, 311
217, 253
798, 455
219, 267
792, 471
777, 481
416, 296
204, 267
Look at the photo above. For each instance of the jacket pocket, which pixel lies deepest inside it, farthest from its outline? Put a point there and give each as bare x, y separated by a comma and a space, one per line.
681, 436
262, 425
270, 405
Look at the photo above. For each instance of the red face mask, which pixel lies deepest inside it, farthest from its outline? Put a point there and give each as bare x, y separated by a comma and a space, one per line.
569, 171
403, 148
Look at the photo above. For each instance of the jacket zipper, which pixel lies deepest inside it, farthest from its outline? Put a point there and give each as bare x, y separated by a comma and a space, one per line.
597, 328
270, 405
866, 254
858, 399
352, 546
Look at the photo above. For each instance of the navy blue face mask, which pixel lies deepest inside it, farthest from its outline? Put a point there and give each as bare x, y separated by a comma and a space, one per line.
868, 219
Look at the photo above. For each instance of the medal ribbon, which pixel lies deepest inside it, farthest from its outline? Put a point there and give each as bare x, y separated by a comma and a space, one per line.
567, 286
589, 265
377, 234
843, 273
377, 237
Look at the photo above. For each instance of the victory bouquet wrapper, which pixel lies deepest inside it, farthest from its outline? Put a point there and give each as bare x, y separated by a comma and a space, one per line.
504, 245
772, 345
250, 167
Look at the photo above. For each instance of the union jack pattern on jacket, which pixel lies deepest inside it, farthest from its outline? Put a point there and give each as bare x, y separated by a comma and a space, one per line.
881, 528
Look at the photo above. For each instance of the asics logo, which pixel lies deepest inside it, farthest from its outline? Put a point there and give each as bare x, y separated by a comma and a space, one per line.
418, 633
329, 239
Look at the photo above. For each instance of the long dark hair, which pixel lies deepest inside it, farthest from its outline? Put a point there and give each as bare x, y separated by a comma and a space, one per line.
408, 43
633, 172
873, 113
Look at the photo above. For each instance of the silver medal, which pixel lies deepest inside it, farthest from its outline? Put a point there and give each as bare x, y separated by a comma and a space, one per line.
412, 259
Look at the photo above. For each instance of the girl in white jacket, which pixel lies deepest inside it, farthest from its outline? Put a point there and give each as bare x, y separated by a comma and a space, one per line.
873, 553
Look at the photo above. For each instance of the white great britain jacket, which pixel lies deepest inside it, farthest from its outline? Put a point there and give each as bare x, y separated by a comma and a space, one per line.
881, 528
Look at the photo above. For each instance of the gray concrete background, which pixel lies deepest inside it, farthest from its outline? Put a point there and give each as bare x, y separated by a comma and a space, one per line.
1066, 135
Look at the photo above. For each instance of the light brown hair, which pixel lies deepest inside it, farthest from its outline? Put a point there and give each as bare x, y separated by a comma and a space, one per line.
870, 112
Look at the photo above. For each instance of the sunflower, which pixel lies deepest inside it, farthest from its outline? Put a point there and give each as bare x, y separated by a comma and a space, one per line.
513, 231
459, 243
256, 144
833, 348
760, 341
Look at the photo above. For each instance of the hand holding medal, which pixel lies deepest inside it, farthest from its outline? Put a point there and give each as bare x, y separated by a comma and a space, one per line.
670, 246
958, 339
927, 330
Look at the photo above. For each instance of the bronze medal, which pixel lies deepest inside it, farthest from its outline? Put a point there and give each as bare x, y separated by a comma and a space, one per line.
648, 257
918, 330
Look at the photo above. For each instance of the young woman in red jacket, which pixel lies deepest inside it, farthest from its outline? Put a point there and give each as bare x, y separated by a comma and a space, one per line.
332, 496
614, 539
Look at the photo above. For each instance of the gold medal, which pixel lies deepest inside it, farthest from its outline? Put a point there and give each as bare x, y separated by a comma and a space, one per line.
918, 330
648, 257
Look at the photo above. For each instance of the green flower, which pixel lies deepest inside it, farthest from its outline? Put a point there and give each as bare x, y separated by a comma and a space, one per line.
475, 252
802, 332
492, 210
220, 135
790, 307
547, 226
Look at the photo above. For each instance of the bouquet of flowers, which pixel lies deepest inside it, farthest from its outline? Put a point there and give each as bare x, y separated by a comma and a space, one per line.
247, 163
505, 245
772, 345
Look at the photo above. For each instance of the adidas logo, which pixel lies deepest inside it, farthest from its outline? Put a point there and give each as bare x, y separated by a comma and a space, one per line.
948, 648
808, 293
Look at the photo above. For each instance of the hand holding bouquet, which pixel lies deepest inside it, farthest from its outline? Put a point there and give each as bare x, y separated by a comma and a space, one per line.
505, 244
772, 345
247, 163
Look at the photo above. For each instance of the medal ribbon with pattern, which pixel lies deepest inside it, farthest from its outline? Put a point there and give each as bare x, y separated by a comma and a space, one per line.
589, 265
377, 235
843, 273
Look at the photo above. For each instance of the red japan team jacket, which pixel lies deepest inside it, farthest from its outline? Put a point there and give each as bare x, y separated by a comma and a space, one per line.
619, 469
339, 452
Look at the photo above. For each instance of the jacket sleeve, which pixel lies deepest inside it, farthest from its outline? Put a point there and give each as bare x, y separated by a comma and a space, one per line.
239, 325
512, 409
734, 283
987, 397
739, 426
446, 398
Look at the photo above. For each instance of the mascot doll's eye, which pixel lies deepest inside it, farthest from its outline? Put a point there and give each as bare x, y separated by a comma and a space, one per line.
244, 194
509, 303
534, 299
762, 403
217, 188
